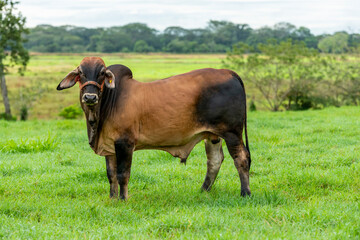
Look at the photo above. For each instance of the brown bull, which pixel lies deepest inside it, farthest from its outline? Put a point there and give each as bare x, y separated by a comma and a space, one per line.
172, 114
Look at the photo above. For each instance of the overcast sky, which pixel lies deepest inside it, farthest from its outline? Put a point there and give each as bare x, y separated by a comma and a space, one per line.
327, 16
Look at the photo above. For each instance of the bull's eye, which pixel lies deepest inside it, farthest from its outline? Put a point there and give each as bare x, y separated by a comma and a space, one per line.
102, 73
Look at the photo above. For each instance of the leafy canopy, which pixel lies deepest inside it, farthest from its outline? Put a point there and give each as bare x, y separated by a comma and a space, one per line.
12, 28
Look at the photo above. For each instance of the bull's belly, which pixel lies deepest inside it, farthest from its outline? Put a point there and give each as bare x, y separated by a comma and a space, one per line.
178, 146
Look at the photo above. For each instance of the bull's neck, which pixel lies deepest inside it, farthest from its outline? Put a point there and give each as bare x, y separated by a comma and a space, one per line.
93, 130
108, 104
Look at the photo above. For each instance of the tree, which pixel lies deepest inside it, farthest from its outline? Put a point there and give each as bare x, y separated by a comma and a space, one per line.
280, 73
354, 42
228, 33
304, 34
140, 31
113, 39
281, 32
180, 46
284, 31
142, 47
12, 28
260, 35
337, 43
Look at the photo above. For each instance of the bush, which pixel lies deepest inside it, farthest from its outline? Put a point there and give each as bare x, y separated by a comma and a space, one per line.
29, 145
252, 106
71, 112
7, 117
24, 112
298, 100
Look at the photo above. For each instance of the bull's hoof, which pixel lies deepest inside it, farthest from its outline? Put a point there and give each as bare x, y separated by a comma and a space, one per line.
205, 188
245, 192
123, 198
206, 185
183, 161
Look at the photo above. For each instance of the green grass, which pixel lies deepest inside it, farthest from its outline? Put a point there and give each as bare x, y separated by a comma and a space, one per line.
305, 182
29, 145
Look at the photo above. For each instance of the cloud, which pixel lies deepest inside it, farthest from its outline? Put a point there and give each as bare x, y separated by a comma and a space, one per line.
319, 16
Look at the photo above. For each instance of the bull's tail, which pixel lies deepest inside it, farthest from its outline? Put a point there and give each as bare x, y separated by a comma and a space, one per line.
246, 135
245, 117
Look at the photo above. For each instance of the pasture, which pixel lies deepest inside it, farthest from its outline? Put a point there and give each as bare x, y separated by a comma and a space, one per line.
304, 177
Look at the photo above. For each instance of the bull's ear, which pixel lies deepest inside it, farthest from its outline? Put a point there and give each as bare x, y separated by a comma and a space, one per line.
69, 80
109, 79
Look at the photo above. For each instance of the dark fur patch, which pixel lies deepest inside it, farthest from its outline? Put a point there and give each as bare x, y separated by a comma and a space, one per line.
222, 104
124, 151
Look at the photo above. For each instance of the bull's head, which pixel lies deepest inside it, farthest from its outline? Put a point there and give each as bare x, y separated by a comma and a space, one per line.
92, 75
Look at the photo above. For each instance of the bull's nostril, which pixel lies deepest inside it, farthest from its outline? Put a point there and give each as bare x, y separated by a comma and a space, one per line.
90, 98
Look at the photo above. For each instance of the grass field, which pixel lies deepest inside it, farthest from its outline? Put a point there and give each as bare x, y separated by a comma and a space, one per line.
305, 182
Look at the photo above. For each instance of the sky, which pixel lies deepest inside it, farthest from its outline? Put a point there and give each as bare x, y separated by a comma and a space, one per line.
327, 16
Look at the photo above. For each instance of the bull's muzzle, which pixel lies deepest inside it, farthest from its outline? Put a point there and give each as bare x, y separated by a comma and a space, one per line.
90, 99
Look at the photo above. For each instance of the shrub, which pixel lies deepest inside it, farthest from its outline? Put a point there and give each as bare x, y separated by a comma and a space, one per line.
252, 106
29, 145
24, 112
71, 112
7, 117
299, 100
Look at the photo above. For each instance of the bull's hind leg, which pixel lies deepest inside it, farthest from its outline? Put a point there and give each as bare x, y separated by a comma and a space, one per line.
241, 158
215, 157
111, 174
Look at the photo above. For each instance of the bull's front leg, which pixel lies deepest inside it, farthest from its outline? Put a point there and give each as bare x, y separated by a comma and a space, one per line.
124, 149
111, 174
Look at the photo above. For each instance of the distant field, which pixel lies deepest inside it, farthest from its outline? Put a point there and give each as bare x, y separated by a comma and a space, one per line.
49, 69
304, 177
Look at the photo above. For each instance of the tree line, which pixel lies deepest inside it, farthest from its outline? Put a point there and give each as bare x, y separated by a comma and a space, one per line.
216, 37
